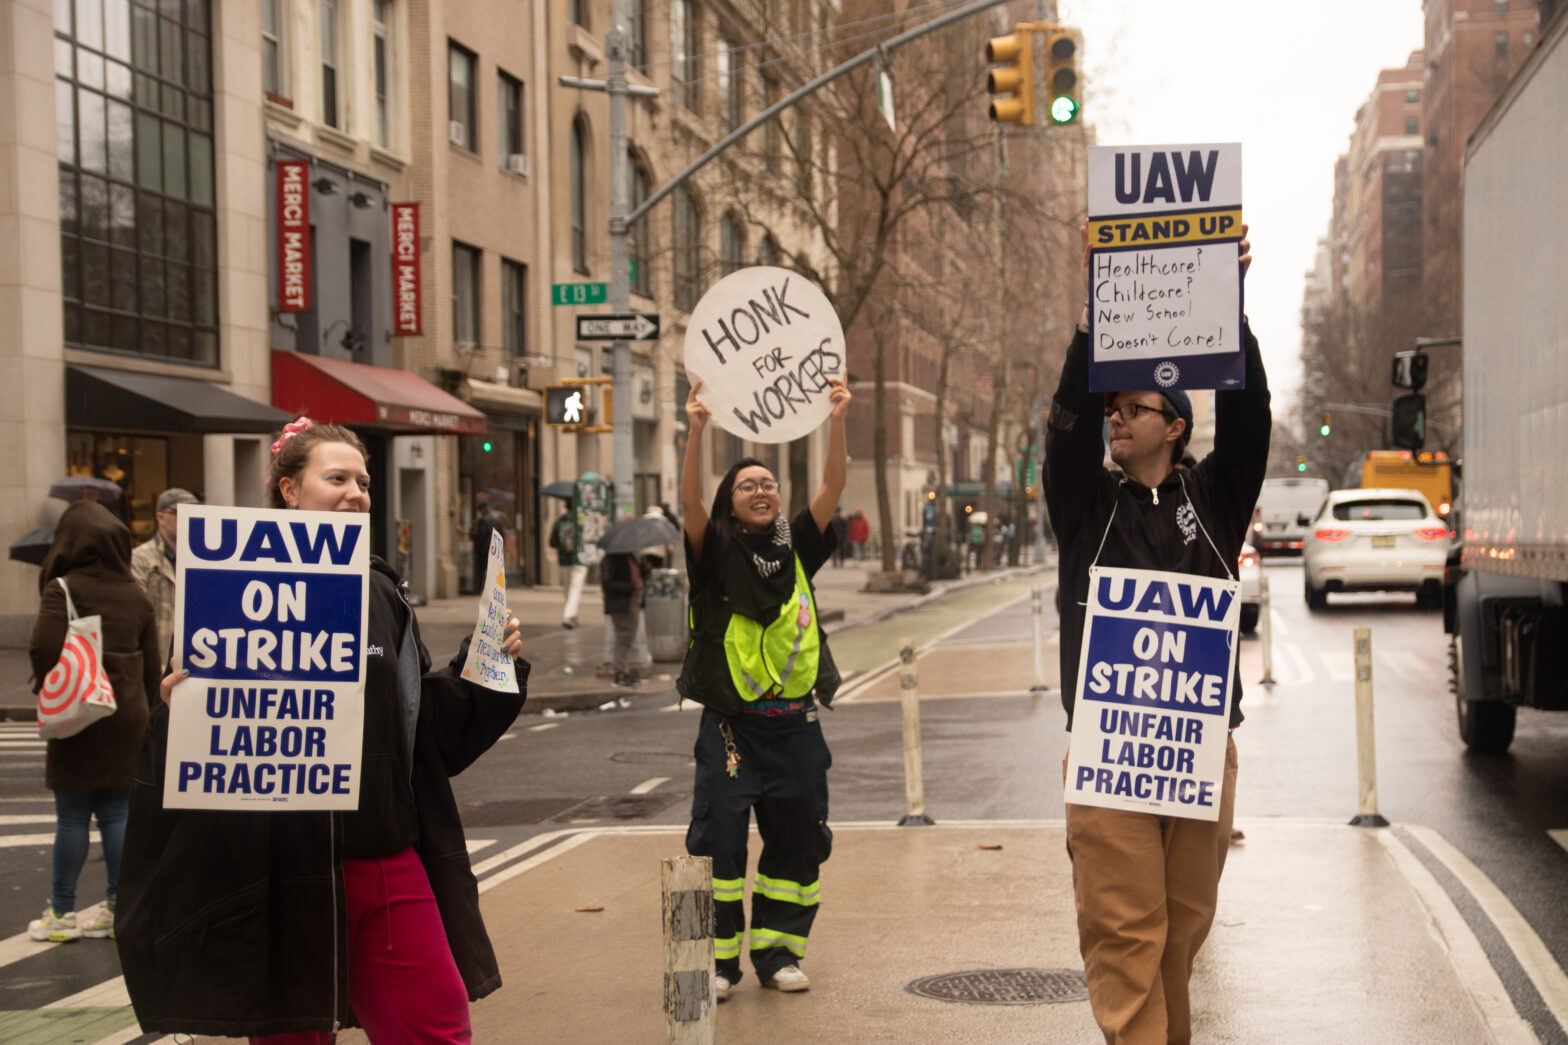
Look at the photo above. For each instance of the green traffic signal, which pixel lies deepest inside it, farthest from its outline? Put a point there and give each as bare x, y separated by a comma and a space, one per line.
487, 446
1301, 466
1063, 110
1323, 430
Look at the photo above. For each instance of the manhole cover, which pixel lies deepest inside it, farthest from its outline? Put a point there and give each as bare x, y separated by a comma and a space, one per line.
1004, 986
619, 807
653, 758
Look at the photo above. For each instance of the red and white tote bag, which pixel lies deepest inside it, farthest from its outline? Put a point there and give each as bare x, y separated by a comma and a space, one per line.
76, 693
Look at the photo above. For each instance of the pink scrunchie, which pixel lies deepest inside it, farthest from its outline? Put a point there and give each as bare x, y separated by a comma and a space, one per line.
290, 430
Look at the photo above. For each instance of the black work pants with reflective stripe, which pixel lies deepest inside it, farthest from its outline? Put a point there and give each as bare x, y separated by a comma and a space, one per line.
782, 774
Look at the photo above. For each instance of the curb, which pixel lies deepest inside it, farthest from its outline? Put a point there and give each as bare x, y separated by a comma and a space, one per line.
951, 589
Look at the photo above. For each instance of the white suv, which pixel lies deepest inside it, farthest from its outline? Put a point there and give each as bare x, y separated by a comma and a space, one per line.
1375, 540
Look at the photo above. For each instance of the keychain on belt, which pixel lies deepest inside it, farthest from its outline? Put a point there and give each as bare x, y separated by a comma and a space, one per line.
731, 756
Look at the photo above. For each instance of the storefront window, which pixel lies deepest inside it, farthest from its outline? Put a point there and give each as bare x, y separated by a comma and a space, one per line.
496, 465
140, 466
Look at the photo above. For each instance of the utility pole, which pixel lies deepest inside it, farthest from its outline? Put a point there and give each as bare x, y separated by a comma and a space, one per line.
620, 258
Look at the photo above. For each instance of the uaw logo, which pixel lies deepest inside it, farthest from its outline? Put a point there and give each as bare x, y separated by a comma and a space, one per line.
1167, 374
1187, 520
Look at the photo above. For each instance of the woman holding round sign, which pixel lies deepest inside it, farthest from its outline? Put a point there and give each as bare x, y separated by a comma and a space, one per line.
286, 926
758, 660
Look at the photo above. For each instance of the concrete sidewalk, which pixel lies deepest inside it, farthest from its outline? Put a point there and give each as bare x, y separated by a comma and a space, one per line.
1325, 933
566, 662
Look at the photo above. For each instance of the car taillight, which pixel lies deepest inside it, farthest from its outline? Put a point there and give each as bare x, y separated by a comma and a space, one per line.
1331, 535
1248, 560
1432, 533
1257, 527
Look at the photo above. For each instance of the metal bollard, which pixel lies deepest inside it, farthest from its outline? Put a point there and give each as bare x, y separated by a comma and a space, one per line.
1366, 747
909, 699
1267, 632
1037, 608
689, 990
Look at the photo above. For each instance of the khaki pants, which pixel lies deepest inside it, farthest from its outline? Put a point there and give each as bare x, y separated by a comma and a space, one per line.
1146, 889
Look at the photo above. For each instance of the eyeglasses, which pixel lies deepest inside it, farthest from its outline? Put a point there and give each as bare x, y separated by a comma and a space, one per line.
751, 486
1131, 411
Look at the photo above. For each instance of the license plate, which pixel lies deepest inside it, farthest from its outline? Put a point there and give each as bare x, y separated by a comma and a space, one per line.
1383, 542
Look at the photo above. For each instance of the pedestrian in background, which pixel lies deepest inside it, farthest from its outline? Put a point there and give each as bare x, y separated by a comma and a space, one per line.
840, 526
759, 663
286, 926
1145, 885
152, 563
563, 538
859, 533
621, 581
486, 522
659, 556
91, 773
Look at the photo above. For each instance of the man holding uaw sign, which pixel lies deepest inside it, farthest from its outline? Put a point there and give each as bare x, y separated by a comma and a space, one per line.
1148, 569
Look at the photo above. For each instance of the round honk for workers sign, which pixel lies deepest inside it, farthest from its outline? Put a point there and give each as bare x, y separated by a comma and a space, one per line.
765, 342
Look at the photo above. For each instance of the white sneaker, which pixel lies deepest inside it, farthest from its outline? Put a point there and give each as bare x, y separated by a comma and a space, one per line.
721, 986
99, 926
789, 978
54, 928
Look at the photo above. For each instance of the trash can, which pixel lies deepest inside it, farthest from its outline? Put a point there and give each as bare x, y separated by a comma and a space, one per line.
664, 609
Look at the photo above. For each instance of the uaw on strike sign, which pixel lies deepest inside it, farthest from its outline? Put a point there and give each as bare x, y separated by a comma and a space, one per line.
270, 610
1164, 287
1154, 693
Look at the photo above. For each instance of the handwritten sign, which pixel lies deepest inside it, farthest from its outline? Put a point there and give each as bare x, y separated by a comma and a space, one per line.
1154, 693
488, 663
1165, 298
765, 341
269, 618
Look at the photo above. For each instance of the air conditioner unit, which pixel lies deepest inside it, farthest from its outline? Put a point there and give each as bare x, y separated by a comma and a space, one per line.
457, 133
517, 163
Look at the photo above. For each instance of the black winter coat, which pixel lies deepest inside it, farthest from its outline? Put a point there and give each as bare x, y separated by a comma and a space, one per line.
1151, 529
232, 923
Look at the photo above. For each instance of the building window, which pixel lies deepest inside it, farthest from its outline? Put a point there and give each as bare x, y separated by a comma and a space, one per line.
637, 35
685, 64
773, 133
138, 231
732, 244
465, 294
509, 117
577, 11
381, 56
514, 296
639, 244
768, 253
688, 250
460, 63
578, 175
330, 114
731, 83
1500, 45
1412, 96
273, 79
803, 154
1412, 125
1500, 7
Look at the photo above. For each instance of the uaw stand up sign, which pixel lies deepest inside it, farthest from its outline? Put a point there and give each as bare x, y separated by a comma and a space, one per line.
1154, 692
269, 618
765, 341
1164, 288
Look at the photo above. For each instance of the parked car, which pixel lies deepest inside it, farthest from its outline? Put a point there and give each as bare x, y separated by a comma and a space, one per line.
1375, 540
1285, 510
1250, 572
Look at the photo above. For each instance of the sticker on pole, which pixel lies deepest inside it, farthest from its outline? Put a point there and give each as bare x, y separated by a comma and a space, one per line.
269, 618
765, 342
488, 664
1154, 691
1165, 292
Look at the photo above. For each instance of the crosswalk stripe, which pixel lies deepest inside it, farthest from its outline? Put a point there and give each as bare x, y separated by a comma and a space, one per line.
1560, 836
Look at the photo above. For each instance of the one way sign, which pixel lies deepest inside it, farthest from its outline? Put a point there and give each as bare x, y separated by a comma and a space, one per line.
630, 326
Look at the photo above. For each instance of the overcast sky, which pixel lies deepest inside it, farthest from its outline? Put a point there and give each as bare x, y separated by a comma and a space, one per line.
1285, 80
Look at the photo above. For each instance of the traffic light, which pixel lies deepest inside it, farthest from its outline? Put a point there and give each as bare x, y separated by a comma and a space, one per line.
1301, 464
1015, 78
1061, 74
1323, 429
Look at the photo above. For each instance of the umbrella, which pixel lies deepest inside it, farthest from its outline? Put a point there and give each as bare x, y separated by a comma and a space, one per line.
633, 535
565, 489
33, 546
86, 488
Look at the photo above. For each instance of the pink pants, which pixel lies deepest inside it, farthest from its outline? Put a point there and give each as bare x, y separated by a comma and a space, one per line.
402, 981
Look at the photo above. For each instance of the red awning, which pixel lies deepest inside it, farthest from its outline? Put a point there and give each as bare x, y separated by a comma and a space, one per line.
338, 391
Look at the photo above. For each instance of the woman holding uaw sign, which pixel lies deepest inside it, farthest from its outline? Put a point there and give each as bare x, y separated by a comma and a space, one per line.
767, 353
1148, 570
294, 861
